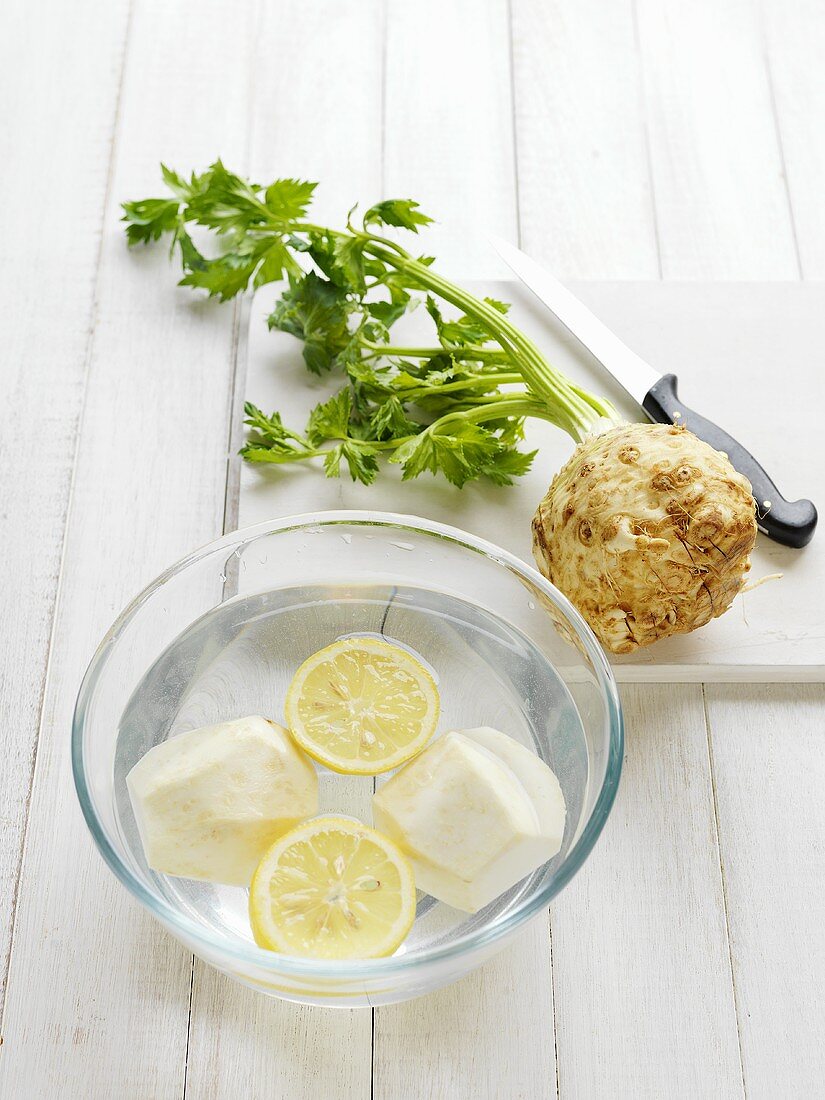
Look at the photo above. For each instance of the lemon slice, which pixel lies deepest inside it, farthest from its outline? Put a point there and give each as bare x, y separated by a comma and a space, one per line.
362, 706
332, 889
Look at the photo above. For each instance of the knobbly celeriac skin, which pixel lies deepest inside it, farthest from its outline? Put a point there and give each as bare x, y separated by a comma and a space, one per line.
648, 531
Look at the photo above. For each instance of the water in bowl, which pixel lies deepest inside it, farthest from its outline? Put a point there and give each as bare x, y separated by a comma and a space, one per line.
239, 658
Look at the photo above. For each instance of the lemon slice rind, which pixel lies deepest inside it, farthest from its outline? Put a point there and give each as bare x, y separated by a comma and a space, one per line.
362, 706
332, 888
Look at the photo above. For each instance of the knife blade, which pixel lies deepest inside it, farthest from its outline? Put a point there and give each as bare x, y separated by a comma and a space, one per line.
791, 523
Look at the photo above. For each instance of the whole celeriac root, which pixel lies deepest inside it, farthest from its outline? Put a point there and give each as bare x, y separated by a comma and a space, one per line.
648, 531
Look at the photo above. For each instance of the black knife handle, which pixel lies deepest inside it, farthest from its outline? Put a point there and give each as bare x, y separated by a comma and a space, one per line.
791, 522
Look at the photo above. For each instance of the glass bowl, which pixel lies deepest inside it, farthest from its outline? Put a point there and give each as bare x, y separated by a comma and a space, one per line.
220, 634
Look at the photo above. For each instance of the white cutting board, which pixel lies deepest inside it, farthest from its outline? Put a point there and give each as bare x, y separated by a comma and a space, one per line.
750, 356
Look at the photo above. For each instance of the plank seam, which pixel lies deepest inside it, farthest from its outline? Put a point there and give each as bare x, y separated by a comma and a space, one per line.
188, 1025
514, 115
241, 307
553, 1005
637, 39
251, 84
723, 879
383, 114
372, 1041
87, 361
779, 142
235, 398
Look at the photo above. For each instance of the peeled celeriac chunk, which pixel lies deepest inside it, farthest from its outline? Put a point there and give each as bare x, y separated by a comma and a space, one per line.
475, 812
210, 802
538, 780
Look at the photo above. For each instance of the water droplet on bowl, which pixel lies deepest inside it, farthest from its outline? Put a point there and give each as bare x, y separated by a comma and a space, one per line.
381, 637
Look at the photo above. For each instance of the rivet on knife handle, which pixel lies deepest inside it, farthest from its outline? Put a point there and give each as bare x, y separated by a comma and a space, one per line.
791, 522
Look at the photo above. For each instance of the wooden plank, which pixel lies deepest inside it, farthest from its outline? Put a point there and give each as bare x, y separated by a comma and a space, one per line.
98, 995
585, 199
795, 46
240, 1042
489, 1035
770, 772
242, 1039
721, 203
48, 267
644, 998
448, 129
300, 122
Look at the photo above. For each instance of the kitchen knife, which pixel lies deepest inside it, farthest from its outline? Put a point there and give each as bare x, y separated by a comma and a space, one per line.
789, 522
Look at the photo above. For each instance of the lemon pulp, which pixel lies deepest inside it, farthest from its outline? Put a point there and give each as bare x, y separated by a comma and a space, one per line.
332, 889
362, 706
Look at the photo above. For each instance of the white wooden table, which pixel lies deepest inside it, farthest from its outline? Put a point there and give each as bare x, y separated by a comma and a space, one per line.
641, 139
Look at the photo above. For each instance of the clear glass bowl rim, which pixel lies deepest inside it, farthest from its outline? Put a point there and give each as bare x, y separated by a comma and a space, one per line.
366, 969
